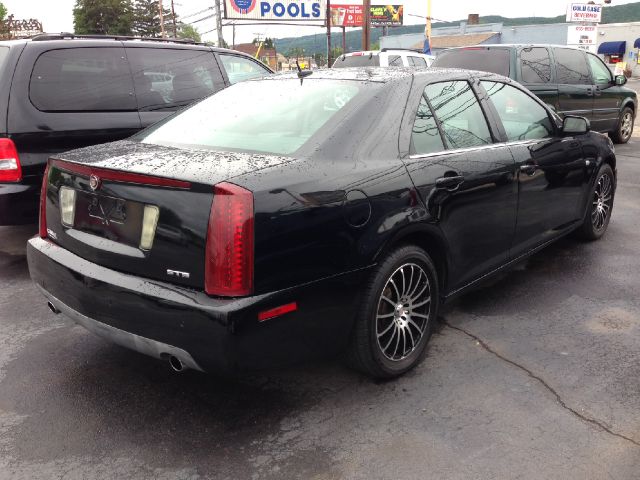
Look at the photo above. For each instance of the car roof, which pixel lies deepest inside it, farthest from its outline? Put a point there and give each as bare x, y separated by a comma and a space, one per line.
384, 74
515, 45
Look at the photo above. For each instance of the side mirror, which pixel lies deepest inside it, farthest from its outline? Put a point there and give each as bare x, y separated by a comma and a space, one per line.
575, 125
620, 80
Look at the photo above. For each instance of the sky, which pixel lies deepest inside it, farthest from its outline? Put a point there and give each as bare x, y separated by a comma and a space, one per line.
57, 16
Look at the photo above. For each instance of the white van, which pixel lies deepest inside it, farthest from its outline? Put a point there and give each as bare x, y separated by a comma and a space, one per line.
387, 57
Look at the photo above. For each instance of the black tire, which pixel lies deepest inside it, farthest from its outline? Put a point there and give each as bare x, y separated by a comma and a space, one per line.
600, 205
410, 320
624, 129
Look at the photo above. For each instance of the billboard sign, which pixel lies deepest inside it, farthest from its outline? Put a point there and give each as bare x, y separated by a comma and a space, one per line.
584, 37
386, 15
346, 15
343, 15
275, 10
584, 12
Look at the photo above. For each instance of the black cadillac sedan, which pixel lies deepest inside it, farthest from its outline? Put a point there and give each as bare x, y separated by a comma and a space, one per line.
291, 218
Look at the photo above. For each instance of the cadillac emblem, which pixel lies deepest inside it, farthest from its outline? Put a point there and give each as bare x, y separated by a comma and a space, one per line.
94, 182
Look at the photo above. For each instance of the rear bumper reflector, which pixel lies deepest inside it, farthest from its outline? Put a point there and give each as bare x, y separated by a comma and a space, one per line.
278, 311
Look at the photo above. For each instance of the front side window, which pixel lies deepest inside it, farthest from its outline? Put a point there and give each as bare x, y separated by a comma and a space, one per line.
274, 116
239, 68
571, 67
536, 65
601, 73
425, 135
82, 79
167, 78
522, 117
459, 114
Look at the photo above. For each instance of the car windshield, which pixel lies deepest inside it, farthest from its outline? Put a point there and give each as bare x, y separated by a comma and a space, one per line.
269, 116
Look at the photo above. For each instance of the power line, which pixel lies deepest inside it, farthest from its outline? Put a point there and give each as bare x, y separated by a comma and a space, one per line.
197, 13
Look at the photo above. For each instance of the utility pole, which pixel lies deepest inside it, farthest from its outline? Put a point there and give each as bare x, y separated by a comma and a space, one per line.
173, 16
428, 27
366, 25
161, 19
219, 23
328, 15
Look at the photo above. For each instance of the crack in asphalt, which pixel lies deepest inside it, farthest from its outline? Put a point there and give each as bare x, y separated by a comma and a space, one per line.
559, 399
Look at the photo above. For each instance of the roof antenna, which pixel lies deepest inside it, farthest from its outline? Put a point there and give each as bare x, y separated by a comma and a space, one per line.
302, 73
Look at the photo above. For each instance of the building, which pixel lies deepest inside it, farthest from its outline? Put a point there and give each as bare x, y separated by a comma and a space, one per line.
268, 56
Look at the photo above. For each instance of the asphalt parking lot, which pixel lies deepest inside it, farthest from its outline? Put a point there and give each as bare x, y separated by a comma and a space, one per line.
532, 377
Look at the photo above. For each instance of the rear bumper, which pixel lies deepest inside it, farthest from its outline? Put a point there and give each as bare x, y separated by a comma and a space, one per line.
19, 203
217, 335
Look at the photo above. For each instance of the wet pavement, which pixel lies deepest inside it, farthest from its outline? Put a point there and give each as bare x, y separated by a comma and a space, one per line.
532, 377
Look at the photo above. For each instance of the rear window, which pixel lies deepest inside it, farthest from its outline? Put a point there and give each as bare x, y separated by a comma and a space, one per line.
417, 62
494, 60
370, 60
270, 116
82, 79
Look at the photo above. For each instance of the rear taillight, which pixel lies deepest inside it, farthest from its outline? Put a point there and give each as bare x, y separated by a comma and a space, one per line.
43, 203
10, 169
229, 254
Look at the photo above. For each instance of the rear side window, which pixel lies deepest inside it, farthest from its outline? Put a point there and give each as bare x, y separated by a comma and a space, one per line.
425, 135
459, 114
358, 61
522, 117
395, 61
536, 65
571, 67
82, 79
166, 78
417, 62
494, 60
239, 68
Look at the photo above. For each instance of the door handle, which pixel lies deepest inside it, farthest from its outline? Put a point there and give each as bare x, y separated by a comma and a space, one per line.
528, 168
590, 92
449, 183
597, 92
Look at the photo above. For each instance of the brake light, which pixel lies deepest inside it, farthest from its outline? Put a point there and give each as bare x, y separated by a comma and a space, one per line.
229, 250
43, 203
10, 168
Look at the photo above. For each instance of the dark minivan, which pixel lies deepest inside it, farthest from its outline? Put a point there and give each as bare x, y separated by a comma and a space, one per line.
569, 80
60, 92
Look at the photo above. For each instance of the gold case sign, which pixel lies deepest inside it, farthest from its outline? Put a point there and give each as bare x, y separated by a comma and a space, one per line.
275, 10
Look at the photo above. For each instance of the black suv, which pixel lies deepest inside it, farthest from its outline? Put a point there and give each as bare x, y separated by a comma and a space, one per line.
59, 92
569, 80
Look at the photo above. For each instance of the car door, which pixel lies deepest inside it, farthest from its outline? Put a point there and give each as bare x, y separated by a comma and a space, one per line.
465, 180
575, 89
167, 79
551, 169
607, 98
535, 73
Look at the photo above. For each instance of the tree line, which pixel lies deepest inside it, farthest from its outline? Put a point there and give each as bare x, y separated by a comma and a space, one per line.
128, 17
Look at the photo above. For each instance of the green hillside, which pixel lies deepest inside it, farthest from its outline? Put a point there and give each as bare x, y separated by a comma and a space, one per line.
317, 43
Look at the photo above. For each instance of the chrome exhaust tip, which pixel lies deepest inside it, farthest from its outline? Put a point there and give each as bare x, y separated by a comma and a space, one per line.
53, 308
176, 364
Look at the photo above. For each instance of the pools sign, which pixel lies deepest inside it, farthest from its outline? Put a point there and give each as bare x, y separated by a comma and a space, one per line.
275, 10
584, 12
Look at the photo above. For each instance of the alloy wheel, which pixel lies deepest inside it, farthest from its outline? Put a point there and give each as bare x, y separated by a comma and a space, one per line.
602, 202
403, 310
626, 125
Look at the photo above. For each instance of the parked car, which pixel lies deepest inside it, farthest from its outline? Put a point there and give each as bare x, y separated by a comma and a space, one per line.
570, 80
305, 215
59, 92
387, 57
